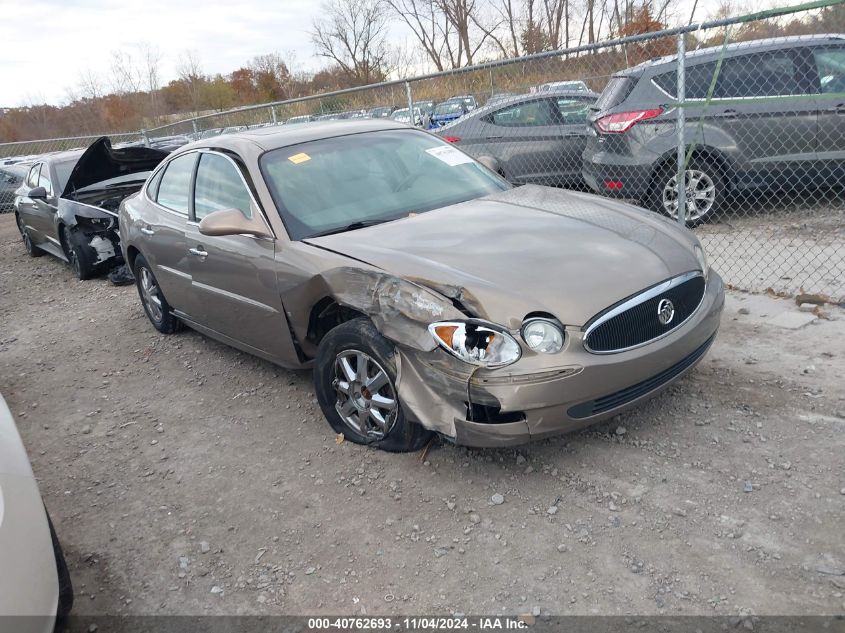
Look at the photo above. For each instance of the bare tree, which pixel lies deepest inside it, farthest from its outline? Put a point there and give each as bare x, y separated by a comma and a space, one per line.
352, 33
125, 78
90, 84
428, 24
150, 60
189, 71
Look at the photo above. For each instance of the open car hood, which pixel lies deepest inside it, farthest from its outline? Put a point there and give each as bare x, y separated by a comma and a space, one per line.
102, 162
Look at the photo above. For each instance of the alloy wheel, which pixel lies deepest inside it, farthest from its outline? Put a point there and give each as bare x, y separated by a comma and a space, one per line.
366, 397
700, 195
149, 292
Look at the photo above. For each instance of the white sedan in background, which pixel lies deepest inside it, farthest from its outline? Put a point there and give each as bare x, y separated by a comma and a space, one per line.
34, 579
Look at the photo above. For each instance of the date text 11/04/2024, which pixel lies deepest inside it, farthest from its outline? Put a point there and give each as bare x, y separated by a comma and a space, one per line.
420, 623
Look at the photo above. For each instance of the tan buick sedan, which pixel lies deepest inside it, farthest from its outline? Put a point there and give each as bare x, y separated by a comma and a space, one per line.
428, 295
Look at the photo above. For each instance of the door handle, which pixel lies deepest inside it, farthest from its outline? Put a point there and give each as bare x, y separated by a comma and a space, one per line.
729, 114
147, 231
490, 138
198, 252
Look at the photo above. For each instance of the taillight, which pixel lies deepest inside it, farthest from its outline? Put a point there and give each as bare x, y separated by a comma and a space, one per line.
452, 139
621, 122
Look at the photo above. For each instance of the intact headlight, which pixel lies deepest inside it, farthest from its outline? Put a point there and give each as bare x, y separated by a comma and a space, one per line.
701, 256
476, 343
543, 335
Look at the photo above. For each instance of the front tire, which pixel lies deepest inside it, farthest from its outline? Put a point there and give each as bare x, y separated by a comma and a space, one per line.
705, 191
31, 249
78, 254
355, 381
156, 307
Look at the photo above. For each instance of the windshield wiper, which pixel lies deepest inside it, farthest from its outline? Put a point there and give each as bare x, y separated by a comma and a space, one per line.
350, 227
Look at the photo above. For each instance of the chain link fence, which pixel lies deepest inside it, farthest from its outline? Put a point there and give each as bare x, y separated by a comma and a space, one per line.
735, 127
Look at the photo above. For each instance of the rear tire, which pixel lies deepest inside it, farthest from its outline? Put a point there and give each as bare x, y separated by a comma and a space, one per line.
156, 307
31, 249
355, 380
705, 188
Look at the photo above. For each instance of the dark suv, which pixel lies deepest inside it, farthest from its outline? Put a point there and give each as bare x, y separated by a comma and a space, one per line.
775, 120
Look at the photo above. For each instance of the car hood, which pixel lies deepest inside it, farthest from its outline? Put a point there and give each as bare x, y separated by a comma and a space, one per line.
528, 249
101, 162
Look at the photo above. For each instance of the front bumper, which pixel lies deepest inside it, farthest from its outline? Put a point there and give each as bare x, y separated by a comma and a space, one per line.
28, 581
530, 403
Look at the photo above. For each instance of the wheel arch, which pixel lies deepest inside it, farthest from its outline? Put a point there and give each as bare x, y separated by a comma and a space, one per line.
325, 315
703, 152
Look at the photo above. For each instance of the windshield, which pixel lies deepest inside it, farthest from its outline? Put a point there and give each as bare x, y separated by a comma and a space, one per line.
400, 114
448, 108
327, 185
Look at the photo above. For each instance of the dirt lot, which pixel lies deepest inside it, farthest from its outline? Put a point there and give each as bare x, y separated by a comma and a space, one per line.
186, 477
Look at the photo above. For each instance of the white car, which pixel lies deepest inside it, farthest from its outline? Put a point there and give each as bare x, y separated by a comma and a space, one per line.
34, 579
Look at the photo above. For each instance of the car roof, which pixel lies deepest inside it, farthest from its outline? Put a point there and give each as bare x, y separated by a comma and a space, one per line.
280, 136
748, 46
512, 100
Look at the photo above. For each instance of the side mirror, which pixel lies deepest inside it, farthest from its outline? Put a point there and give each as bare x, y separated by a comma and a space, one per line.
489, 162
233, 222
38, 193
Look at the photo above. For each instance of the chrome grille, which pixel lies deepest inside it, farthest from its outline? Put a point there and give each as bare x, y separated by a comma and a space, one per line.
637, 320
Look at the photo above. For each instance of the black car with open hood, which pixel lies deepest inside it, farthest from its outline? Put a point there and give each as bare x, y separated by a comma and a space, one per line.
79, 224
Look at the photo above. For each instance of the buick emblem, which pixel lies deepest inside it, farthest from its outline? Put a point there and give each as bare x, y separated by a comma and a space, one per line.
665, 311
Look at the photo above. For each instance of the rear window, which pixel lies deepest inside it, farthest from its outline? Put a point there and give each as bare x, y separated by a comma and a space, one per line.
759, 75
615, 92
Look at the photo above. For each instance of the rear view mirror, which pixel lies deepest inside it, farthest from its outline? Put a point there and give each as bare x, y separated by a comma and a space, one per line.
233, 222
37, 193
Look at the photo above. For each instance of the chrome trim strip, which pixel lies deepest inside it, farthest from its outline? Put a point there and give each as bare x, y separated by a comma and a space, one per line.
205, 150
642, 298
234, 297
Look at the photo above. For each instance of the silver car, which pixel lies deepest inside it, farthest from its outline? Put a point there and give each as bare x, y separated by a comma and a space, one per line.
534, 138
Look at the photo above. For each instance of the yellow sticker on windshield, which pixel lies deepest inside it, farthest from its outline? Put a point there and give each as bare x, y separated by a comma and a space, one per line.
299, 158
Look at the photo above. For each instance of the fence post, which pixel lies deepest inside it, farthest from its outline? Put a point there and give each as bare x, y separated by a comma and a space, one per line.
680, 123
410, 103
273, 114
146, 138
194, 124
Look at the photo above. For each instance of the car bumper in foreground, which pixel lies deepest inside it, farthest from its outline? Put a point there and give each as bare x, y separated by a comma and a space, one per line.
28, 581
518, 405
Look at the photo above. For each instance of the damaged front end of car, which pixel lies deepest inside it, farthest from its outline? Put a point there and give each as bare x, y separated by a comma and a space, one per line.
476, 382
101, 180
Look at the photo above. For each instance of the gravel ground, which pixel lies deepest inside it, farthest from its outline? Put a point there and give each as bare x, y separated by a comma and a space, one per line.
185, 477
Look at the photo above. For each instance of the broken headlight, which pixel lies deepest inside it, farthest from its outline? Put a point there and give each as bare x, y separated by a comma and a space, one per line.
476, 343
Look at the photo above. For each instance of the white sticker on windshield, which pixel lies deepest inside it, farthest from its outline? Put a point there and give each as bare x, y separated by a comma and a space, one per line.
449, 155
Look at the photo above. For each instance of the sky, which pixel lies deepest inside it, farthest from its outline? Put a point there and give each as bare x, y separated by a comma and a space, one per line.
48, 44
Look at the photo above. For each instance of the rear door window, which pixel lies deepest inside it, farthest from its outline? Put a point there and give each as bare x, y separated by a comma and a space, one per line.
830, 63
531, 114
174, 191
767, 74
573, 111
